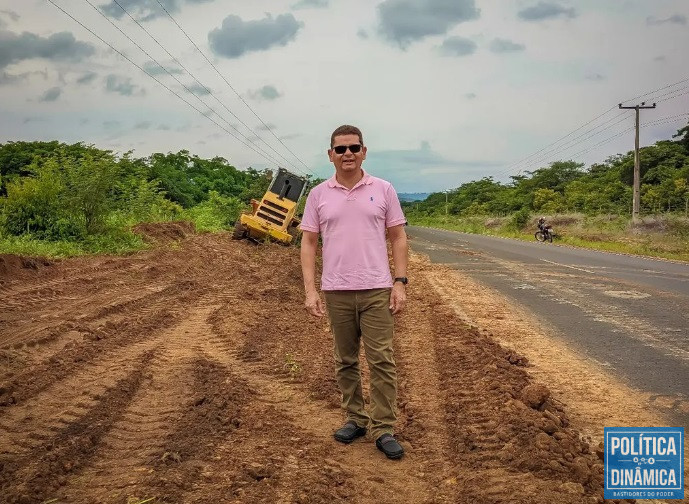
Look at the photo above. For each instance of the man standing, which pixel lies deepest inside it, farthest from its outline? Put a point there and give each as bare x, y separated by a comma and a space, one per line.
352, 211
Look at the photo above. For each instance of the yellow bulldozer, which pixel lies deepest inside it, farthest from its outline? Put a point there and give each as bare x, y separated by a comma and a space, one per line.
274, 217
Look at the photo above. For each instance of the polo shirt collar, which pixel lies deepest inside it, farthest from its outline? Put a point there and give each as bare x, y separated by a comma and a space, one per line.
366, 179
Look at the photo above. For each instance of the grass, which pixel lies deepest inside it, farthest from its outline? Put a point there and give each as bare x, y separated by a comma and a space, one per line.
117, 243
206, 219
655, 236
292, 365
118, 240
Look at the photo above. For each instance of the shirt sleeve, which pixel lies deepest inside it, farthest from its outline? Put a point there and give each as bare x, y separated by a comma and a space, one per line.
394, 215
310, 220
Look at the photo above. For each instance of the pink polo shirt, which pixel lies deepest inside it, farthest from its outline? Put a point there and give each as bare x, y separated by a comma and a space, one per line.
352, 225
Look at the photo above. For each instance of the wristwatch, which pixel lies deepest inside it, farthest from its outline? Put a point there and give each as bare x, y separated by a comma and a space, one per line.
404, 280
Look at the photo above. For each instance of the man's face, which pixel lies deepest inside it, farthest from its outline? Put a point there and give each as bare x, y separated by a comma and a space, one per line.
348, 162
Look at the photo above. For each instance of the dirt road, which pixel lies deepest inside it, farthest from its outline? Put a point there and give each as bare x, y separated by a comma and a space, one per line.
191, 373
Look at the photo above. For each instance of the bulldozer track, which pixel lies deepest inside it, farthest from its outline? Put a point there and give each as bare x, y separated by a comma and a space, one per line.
192, 374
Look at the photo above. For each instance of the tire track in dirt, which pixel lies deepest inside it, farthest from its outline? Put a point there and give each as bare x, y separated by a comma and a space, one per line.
593, 396
71, 358
421, 419
66, 400
34, 477
237, 401
76, 275
136, 443
511, 437
189, 459
371, 476
100, 337
114, 308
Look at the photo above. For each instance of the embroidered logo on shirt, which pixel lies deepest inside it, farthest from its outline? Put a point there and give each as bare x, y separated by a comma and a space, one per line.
371, 198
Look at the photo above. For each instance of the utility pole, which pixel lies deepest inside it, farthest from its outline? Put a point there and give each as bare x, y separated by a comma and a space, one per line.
636, 199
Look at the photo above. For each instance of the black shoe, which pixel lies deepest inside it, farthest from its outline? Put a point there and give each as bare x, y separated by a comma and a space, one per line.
349, 432
389, 445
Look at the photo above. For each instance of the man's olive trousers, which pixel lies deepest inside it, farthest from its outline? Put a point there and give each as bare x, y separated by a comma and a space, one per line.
364, 315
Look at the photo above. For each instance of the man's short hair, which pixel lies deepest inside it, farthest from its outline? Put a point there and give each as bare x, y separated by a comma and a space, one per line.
346, 129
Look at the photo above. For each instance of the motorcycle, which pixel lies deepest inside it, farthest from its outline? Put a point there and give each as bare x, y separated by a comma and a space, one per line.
545, 233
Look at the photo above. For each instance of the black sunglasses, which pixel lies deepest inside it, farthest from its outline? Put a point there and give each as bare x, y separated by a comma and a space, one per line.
341, 149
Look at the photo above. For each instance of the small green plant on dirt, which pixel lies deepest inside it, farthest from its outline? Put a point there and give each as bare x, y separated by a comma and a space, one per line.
292, 365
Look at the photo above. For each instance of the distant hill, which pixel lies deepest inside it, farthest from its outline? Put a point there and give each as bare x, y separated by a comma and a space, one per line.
420, 196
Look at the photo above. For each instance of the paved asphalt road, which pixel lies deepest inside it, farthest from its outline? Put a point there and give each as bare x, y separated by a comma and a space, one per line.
631, 314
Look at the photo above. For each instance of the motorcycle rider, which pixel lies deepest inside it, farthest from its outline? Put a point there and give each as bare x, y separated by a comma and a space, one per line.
546, 229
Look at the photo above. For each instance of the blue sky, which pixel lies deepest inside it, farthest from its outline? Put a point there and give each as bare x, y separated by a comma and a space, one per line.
445, 91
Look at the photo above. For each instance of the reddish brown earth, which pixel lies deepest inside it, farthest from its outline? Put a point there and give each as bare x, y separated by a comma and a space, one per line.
191, 373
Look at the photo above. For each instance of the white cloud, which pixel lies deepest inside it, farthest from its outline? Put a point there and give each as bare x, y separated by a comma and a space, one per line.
267, 92
199, 90
161, 68
499, 45
122, 86
10, 14
405, 21
237, 37
87, 78
51, 95
458, 46
679, 19
308, 4
145, 10
59, 46
546, 10
478, 113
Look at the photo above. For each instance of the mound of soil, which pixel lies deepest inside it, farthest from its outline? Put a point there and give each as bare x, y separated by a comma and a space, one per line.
14, 265
164, 232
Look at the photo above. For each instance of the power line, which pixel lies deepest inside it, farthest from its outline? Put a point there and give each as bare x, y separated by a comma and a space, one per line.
205, 88
674, 91
179, 82
666, 119
572, 143
655, 122
562, 148
567, 146
673, 97
230, 85
518, 163
655, 90
152, 76
651, 123
609, 139
514, 165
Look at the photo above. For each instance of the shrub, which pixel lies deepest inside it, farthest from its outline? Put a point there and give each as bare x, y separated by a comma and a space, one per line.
218, 212
520, 219
35, 205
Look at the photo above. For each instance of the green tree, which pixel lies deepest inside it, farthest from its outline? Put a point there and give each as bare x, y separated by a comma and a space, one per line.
682, 192
20, 159
683, 136
548, 201
90, 189
35, 205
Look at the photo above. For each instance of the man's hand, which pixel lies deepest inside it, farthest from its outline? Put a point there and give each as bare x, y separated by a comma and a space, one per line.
398, 297
314, 304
